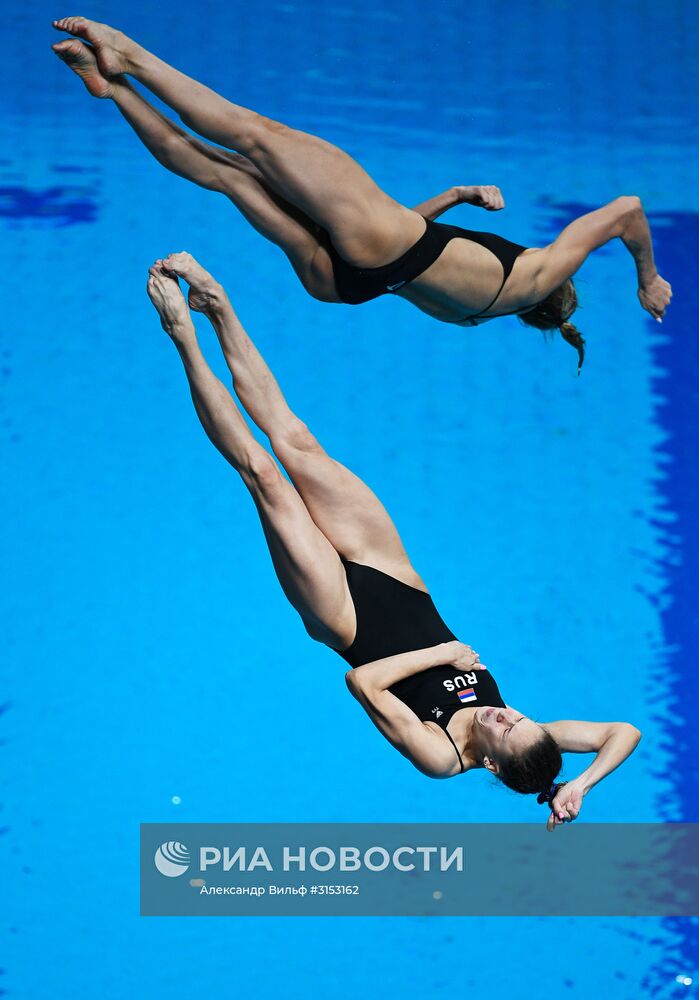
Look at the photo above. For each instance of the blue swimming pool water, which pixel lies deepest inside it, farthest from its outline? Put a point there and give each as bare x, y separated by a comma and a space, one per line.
552, 517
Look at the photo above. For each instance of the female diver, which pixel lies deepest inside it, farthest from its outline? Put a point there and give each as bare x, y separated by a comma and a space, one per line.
346, 239
342, 565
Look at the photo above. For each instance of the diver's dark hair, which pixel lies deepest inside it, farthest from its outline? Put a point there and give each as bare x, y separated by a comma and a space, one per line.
553, 312
534, 770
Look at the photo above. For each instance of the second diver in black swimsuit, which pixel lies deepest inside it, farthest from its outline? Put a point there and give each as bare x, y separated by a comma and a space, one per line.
343, 567
394, 618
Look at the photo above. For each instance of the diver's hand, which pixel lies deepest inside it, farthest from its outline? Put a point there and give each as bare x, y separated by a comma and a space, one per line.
654, 296
566, 805
482, 196
463, 657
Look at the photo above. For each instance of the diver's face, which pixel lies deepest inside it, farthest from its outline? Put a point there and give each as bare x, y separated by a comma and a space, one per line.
503, 731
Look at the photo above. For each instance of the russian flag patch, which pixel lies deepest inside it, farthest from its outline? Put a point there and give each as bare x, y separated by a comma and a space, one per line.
468, 695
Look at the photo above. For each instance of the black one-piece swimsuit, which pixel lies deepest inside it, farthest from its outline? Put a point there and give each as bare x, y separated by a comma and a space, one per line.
392, 618
361, 284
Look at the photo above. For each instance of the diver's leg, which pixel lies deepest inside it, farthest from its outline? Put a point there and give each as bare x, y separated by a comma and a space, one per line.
366, 226
344, 508
307, 566
215, 169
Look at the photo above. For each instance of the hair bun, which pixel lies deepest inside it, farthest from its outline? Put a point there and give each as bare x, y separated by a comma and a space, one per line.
547, 797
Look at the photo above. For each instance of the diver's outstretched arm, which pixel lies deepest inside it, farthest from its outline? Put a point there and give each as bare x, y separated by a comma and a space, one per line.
378, 676
622, 218
434, 207
430, 752
369, 684
486, 196
612, 742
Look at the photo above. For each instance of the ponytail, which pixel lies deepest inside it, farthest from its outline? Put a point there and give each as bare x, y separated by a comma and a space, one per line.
572, 336
553, 313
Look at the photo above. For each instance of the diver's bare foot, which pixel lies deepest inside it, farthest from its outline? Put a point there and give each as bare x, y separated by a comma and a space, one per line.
111, 47
205, 293
166, 295
81, 60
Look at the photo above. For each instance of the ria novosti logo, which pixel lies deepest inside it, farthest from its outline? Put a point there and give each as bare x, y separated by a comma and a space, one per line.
172, 859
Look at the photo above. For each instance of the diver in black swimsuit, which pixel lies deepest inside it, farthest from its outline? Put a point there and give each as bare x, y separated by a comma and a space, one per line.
393, 618
343, 567
347, 240
361, 284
